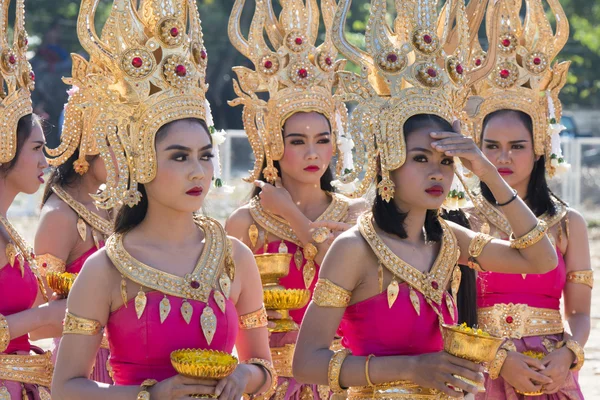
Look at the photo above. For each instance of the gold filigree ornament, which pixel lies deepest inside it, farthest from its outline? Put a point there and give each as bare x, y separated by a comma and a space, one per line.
523, 78
61, 282
18, 79
207, 364
147, 69
417, 66
298, 76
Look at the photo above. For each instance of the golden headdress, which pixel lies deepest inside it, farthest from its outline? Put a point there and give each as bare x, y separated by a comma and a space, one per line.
297, 75
417, 66
17, 79
147, 69
523, 78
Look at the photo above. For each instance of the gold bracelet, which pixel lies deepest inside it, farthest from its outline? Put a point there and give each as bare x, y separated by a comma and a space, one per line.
335, 368
496, 365
328, 294
579, 354
4, 334
583, 277
268, 367
321, 234
530, 238
479, 241
369, 383
255, 319
144, 394
80, 326
310, 252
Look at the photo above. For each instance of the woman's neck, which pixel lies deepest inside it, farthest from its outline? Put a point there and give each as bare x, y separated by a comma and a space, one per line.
414, 223
7, 197
305, 196
81, 190
159, 219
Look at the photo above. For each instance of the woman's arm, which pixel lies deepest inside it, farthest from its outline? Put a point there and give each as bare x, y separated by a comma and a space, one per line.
42, 321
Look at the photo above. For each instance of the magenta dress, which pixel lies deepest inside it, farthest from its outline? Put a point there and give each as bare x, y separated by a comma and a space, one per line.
18, 293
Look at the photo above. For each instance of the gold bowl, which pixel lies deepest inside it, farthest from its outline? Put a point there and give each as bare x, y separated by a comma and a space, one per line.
61, 282
286, 299
273, 266
470, 346
207, 364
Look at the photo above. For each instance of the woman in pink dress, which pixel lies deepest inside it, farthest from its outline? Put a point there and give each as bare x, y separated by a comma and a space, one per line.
517, 130
25, 370
389, 284
71, 227
168, 278
294, 207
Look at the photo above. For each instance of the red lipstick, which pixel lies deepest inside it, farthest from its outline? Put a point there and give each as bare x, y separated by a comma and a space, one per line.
195, 191
312, 168
435, 190
505, 171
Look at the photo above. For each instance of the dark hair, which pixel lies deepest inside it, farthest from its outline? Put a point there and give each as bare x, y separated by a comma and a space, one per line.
326, 178
538, 192
64, 175
130, 217
24, 129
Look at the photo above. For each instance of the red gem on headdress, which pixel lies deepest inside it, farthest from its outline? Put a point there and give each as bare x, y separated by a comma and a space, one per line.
459, 69
427, 39
174, 32
137, 62
25, 41
203, 54
32, 76
392, 57
509, 319
299, 41
268, 64
434, 285
432, 72
537, 61
328, 61
195, 284
478, 62
385, 188
504, 73
12, 59
302, 73
180, 70
506, 42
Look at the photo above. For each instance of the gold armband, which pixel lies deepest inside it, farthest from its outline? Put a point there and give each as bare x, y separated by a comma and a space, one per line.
335, 368
49, 263
4, 333
582, 277
328, 294
268, 367
255, 319
579, 354
81, 326
530, 238
475, 248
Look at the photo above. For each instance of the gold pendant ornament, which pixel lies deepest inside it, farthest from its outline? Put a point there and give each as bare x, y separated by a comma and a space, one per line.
220, 300
165, 309
308, 273
392, 292
11, 254
124, 291
225, 284
456, 278
253, 234
82, 228
4, 395
21, 261
208, 322
298, 258
140, 303
414, 299
450, 306
282, 248
186, 311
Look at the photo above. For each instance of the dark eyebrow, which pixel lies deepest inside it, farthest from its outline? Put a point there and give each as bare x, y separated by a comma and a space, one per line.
421, 149
184, 148
512, 141
303, 135
42, 142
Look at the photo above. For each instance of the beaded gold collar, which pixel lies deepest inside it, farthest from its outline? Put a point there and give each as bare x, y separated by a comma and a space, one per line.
336, 211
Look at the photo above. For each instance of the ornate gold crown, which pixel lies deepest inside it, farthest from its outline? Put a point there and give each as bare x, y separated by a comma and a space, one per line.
147, 69
417, 66
298, 76
17, 79
522, 78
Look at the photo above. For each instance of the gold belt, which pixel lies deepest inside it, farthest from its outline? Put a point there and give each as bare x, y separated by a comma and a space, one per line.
282, 359
404, 390
35, 369
515, 321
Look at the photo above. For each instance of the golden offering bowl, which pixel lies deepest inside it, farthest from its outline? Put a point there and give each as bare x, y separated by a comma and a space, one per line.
282, 301
61, 282
537, 355
479, 348
205, 364
273, 266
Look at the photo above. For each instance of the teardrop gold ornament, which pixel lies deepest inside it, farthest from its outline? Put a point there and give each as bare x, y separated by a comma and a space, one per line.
140, 303
298, 258
524, 276
225, 284
11, 254
282, 248
208, 321
21, 261
392, 292
186, 311
380, 277
253, 234
456, 278
165, 309
308, 273
124, 291
414, 299
450, 306
82, 229
219, 299
485, 228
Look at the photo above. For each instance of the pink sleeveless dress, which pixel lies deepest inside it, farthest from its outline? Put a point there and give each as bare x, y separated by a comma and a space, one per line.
18, 293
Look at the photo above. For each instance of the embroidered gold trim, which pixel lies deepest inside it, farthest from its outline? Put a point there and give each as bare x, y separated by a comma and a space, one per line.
402, 390
582, 277
4, 334
519, 320
531, 237
94, 220
80, 326
268, 366
33, 369
282, 360
328, 294
255, 319
197, 285
431, 284
335, 369
496, 365
49, 263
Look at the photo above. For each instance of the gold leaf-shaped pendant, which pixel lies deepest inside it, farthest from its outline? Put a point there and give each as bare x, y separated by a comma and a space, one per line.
450, 306
414, 299
97, 239
282, 248
524, 276
225, 284
308, 273
186, 311
4, 395
124, 291
253, 234
392, 292
456, 278
165, 309
11, 254
21, 261
140, 303
208, 322
82, 229
485, 228
219, 299
380, 277
298, 258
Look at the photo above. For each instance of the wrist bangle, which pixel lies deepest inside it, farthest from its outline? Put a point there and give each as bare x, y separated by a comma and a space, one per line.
335, 369
267, 366
579, 354
514, 196
4, 334
369, 383
144, 394
531, 237
496, 365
